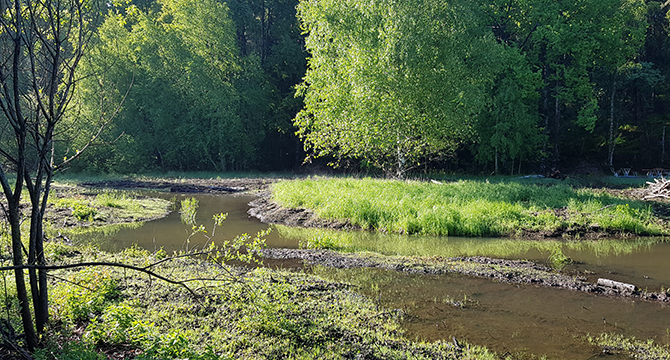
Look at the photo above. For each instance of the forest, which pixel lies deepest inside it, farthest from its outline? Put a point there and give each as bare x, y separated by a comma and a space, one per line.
504, 86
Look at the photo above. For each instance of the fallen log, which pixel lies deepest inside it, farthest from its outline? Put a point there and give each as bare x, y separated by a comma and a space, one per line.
617, 285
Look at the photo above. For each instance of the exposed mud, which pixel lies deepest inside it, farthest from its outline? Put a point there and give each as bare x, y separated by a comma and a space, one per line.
210, 186
62, 217
506, 271
270, 212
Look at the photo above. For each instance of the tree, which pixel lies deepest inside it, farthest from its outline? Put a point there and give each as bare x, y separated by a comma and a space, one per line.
42, 44
189, 83
571, 42
392, 83
508, 129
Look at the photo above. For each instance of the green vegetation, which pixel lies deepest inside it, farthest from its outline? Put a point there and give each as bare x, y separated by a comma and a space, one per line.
473, 86
466, 208
188, 210
106, 208
255, 314
638, 349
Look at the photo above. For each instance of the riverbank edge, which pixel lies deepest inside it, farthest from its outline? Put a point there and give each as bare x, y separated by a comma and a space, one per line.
507, 271
267, 211
501, 270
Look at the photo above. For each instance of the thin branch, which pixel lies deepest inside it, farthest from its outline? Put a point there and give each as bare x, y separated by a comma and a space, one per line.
99, 263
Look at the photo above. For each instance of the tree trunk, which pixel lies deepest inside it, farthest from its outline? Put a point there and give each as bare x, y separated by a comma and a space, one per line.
610, 153
663, 147
545, 129
557, 127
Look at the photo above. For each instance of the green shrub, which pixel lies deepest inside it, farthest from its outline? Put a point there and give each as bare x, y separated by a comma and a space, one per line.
119, 324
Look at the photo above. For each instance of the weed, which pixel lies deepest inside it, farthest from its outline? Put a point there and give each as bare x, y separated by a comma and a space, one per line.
81, 208
558, 259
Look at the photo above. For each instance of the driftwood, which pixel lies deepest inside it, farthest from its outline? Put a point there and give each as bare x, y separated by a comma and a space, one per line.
621, 286
660, 188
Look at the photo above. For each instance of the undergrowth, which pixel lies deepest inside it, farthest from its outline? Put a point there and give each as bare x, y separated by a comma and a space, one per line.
250, 314
467, 208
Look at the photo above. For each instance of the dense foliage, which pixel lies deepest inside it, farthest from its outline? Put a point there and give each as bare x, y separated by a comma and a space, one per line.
198, 85
504, 86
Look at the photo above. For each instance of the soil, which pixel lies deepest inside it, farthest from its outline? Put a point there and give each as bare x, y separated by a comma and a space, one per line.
270, 212
210, 186
506, 271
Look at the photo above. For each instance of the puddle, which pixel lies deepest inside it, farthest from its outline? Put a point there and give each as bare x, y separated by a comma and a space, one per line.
505, 318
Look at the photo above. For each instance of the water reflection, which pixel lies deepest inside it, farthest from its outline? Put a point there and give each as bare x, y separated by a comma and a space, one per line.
171, 234
643, 261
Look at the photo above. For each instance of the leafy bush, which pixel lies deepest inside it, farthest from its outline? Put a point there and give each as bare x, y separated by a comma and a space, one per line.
119, 324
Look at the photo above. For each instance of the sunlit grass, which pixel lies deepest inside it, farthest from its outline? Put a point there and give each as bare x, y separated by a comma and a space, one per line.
465, 208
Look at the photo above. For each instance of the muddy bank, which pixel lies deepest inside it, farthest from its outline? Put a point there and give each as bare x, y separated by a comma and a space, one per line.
270, 212
506, 271
209, 186
61, 213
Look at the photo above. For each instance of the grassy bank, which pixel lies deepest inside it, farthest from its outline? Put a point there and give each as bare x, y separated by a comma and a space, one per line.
260, 314
469, 208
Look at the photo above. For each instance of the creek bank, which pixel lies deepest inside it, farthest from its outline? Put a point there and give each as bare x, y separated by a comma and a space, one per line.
70, 207
208, 186
506, 271
269, 212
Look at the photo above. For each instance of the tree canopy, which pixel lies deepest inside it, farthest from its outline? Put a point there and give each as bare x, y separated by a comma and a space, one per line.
502, 86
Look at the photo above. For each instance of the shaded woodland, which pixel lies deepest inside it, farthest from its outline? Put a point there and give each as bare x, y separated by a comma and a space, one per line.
510, 87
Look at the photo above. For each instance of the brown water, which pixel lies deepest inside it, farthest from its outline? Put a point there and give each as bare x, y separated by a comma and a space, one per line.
508, 318
171, 234
505, 318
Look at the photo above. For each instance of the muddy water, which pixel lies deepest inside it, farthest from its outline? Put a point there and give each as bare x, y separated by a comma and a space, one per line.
171, 234
505, 318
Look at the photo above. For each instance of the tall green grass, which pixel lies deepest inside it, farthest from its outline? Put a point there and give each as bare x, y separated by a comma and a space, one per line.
465, 208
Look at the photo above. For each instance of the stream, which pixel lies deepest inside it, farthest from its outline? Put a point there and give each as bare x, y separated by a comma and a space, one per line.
505, 318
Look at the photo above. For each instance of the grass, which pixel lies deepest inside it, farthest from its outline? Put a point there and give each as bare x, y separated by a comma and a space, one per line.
109, 207
250, 314
467, 208
632, 347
